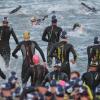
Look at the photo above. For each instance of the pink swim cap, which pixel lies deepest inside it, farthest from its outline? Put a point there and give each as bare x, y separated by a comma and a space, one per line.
62, 83
36, 59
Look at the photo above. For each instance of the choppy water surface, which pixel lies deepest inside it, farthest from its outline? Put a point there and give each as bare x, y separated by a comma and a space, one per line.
68, 12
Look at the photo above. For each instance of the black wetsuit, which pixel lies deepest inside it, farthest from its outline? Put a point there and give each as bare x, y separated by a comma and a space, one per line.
26, 91
51, 35
2, 74
92, 79
94, 55
28, 50
5, 33
63, 50
57, 75
37, 74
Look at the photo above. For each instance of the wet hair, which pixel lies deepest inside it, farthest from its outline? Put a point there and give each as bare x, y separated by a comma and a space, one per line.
57, 66
48, 93
76, 72
53, 17
5, 20
93, 67
75, 25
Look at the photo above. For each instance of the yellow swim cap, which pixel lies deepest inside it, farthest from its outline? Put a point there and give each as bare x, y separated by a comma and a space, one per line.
26, 35
33, 19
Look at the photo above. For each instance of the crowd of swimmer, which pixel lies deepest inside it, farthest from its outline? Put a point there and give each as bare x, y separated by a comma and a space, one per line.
58, 84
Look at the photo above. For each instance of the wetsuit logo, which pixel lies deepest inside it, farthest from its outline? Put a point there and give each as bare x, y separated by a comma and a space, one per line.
60, 53
96, 56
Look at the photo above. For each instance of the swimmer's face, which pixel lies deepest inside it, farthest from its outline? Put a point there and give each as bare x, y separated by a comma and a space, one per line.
5, 24
77, 28
54, 24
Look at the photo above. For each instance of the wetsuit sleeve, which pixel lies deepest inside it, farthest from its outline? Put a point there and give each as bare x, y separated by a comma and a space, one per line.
46, 79
74, 53
14, 36
2, 74
40, 51
89, 56
16, 50
65, 78
44, 35
59, 34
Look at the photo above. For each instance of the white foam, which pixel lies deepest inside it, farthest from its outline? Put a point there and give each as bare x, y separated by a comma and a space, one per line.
2, 64
77, 33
